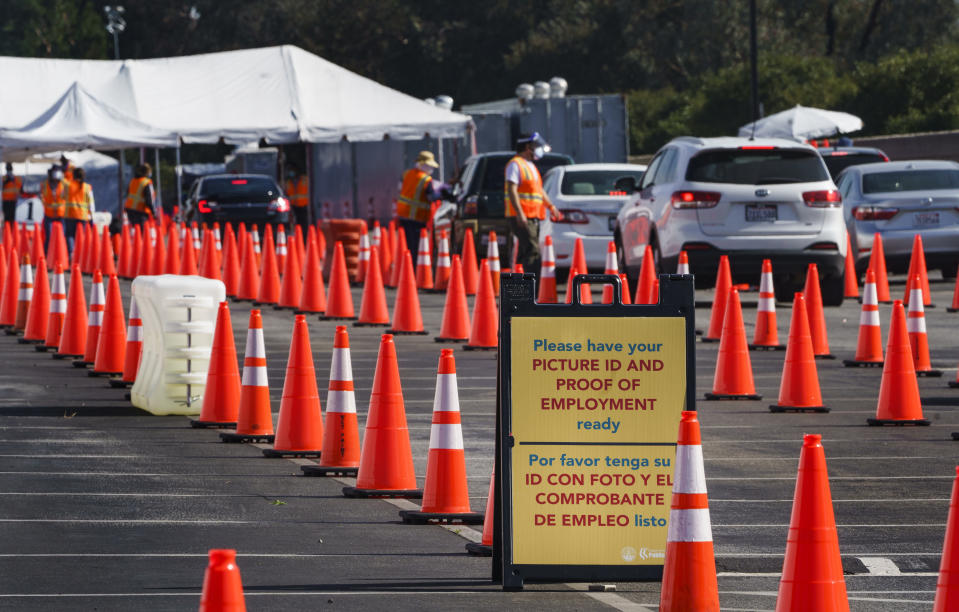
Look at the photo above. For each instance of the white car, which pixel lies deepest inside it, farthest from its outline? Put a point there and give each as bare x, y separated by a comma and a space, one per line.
589, 198
750, 199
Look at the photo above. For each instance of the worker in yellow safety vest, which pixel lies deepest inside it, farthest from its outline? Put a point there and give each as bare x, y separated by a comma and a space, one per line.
12, 189
417, 193
53, 194
80, 205
298, 192
139, 203
526, 202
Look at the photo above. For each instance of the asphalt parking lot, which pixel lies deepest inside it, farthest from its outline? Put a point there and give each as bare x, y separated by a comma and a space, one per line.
108, 508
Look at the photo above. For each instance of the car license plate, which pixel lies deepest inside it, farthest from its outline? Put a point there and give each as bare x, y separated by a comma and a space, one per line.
612, 224
925, 219
761, 212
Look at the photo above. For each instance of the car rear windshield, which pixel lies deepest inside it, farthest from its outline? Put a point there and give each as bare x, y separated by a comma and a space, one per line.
910, 180
495, 175
595, 182
756, 167
257, 189
838, 163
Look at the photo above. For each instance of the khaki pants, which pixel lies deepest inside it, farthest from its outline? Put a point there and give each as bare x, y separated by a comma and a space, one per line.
527, 242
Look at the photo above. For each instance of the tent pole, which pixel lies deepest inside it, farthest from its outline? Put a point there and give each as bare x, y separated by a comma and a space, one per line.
156, 160
310, 215
120, 185
439, 150
179, 180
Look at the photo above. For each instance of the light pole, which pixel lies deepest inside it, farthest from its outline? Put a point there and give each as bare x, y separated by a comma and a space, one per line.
115, 25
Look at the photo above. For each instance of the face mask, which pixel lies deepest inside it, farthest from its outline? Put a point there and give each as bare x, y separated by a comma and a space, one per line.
425, 168
291, 174
57, 176
539, 152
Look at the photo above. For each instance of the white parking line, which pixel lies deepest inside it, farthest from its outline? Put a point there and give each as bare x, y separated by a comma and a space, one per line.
880, 566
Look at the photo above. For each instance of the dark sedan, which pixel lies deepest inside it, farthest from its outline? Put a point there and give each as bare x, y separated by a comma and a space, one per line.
235, 198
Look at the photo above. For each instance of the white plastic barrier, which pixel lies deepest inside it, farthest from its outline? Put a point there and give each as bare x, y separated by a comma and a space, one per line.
179, 317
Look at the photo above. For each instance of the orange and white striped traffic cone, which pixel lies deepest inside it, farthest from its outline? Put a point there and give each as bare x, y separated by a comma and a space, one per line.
445, 493
58, 311
340, 454
131, 357
547, 274
766, 336
364, 255
24, 296
443, 263
682, 264
916, 326
281, 250
492, 259
98, 301
254, 422
612, 267
869, 344
689, 570
424, 263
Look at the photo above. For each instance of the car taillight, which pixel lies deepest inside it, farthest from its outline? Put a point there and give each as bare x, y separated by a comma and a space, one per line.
205, 206
695, 199
824, 246
873, 213
470, 206
885, 157
826, 198
280, 205
573, 215
618, 193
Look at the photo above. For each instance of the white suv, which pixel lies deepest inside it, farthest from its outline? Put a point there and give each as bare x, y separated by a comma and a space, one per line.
748, 199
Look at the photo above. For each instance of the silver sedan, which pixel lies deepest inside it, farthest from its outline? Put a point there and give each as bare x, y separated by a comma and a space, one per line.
899, 200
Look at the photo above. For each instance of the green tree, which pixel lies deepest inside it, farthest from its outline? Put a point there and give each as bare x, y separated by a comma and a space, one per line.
52, 28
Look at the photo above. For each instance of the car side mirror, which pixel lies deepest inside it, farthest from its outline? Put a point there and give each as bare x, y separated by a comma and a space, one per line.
625, 183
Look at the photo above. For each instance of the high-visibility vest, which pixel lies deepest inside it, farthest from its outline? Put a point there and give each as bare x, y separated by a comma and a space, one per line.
54, 200
135, 199
78, 201
413, 203
298, 191
12, 188
68, 173
530, 191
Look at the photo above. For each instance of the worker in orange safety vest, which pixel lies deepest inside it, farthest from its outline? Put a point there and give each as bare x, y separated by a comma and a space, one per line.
53, 194
139, 204
526, 202
12, 190
418, 191
80, 206
298, 192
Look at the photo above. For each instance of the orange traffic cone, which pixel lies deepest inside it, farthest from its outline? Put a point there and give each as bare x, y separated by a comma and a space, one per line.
689, 570
132, 258
291, 288
171, 259
955, 296
313, 294
281, 251
231, 262
799, 387
724, 283
851, 284
585, 292
364, 254
144, 257
393, 279
188, 258
131, 356
812, 577
254, 421
624, 283
869, 344
443, 263
468, 255
612, 267
79, 248
299, 428
269, 291
339, 300
341, 434
106, 261
221, 396
456, 318
899, 402
484, 548
387, 244
917, 267
73, 337
386, 461
407, 318
916, 326
209, 264
373, 311
158, 256
579, 257
222, 585
547, 274
682, 264
58, 310
11, 291
57, 248
445, 493
94, 320
249, 274
877, 263
484, 331
124, 254
24, 296
38, 309
647, 276
255, 236
817, 321
492, 260
733, 378
112, 339
424, 263
947, 587
766, 336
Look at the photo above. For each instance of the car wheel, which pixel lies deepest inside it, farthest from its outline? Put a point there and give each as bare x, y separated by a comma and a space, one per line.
949, 272
833, 290
785, 288
621, 262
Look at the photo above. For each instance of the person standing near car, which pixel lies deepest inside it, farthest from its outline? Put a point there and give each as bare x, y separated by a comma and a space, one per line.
526, 202
298, 192
53, 194
80, 206
12, 189
417, 194
140, 201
